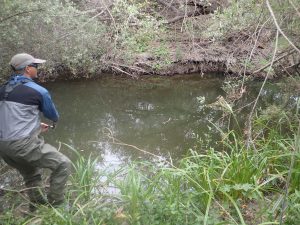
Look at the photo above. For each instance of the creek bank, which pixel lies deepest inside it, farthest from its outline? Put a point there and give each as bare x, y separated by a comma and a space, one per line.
236, 55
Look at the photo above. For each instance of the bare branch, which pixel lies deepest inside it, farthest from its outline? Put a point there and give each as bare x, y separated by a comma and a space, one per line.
297, 10
74, 31
249, 140
276, 60
279, 29
253, 49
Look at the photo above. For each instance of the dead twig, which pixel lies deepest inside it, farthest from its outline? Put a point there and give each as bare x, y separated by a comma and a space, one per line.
294, 65
118, 67
118, 142
253, 49
75, 30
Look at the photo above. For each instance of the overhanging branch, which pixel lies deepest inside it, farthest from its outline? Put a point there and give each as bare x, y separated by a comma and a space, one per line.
20, 13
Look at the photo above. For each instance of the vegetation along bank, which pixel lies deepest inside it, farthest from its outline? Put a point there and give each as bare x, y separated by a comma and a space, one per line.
84, 38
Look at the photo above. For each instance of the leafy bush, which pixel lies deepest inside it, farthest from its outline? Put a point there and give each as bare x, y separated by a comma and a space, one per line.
136, 31
53, 30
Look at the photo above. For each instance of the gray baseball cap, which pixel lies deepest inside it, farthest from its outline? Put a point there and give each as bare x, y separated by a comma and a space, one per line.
20, 61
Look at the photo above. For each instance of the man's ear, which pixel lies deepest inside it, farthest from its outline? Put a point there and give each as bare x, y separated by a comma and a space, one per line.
26, 69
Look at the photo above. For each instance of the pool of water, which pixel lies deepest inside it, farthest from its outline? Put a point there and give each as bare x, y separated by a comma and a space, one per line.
162, 116
120, 119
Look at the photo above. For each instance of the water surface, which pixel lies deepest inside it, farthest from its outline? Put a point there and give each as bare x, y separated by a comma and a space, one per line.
163, 116
160, 115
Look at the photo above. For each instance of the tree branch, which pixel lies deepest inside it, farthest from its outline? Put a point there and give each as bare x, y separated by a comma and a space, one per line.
279, 29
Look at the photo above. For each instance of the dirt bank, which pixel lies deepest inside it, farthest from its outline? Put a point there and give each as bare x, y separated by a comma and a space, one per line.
246, 51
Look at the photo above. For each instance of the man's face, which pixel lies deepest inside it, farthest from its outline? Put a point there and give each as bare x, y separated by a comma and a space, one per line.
31, 70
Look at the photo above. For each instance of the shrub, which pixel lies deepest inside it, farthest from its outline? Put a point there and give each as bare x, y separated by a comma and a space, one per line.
53, 30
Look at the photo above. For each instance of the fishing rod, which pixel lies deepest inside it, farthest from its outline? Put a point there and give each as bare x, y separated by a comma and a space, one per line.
53, 126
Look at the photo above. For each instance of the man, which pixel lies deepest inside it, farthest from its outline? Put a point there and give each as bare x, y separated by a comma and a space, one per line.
21, 147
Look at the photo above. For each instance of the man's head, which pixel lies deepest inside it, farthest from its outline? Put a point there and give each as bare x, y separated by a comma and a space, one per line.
25, 63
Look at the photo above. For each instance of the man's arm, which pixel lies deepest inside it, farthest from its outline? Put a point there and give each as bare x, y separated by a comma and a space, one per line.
48, 108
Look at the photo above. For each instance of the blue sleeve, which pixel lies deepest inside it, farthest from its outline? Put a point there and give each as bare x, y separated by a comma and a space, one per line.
48, 108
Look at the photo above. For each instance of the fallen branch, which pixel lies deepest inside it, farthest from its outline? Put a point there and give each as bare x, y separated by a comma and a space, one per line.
118, 67
118, 142
122, 71
175, 19
276, 60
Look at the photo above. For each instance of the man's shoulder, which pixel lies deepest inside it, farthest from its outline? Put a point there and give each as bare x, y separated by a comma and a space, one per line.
37, 87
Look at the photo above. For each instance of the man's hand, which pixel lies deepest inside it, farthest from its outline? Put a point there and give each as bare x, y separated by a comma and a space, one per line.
44, 127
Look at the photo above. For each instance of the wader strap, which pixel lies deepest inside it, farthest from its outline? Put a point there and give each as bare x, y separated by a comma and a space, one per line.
9, 88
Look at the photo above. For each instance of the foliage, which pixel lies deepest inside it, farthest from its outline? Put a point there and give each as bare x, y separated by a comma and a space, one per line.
136, 31
53, 30
249, 15
239, 16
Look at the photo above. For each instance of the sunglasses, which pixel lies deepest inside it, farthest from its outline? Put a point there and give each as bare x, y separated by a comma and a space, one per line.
35, 65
